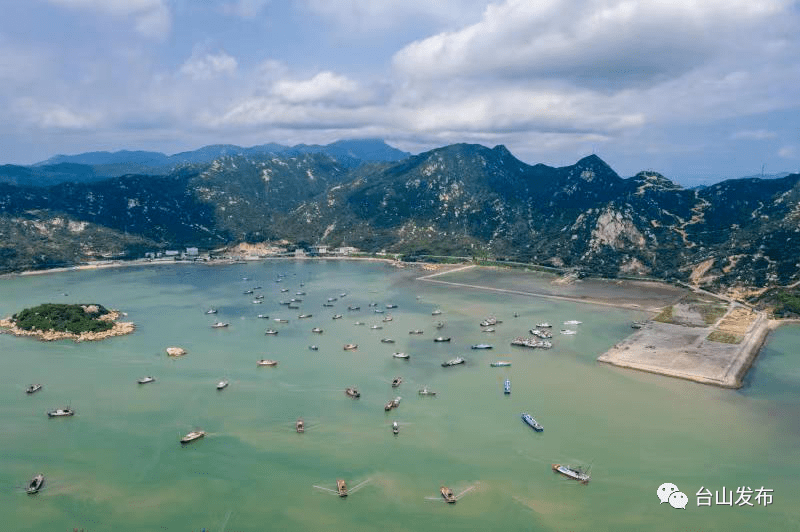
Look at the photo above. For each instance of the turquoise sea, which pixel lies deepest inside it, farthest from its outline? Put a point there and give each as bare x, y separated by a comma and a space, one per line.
117, 464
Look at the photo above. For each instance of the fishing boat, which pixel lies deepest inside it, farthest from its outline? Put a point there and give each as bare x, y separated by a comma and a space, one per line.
314, 347
507, 387
193, 436
337, 316
280, 320
211, 311
426, 391
499, 364
388, 406
391, 305
248, 292
378, 311
343, 294
295, 300
301, 293
441, 339
256, 288
341, 488
145, 380
543, 325
282, 302
453, 362
387, 341
61, 412
575, 473
303, 316
541, 334
532, 423
219, 325
572, 322
221, 385
261, 296
395, 428
257, 301
568, 332
448, 495
316, 330
352, 392
396, 402
327, 304
271, 332
415, 331
263, 316
33, 388
404, 356
350, 347
387, 319
482, 346
359, 323
531, 343
438, 324
489, 330
353, 308
331, 299
293, 306
397, 381
300, 426
267, 363
35, 484
488, 322
436, 312
376, 327
282, 290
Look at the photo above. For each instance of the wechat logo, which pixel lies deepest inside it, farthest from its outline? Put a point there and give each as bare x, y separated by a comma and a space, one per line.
670, 493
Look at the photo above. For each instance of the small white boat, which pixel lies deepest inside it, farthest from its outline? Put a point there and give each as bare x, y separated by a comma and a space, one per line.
337, 316
316, 330
572, 322
391, 305
376, 327
193, 436
352, 392
303, 316
145, 380
453, 362
387, 318
575, 473
221, 385
426, 391
35, 484
378, 311
263, 316
397, 381
404, 356
441, 339
33, 388
387, 341
267, 363
482, 346
301, 293
280, 320
543, 325
343, 294
257, 301
395, 428
353, 308
507, 387
489, 330
568, 331
247, 292
219, 325
282, 290
359, 323
436, 312
532, 423
314, 347
331, 299
271, 332
350, 347
415, 331
211, 311
61, 412
499, 364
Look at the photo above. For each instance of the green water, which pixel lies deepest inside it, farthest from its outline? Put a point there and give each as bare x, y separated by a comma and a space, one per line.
117, 464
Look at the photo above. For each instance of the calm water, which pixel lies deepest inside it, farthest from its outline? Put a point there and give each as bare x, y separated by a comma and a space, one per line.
117, 465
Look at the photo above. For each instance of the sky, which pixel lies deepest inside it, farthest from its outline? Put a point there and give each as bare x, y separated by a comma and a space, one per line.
698, 90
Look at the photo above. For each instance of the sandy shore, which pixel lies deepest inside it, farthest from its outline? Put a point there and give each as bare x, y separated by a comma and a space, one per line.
119, 329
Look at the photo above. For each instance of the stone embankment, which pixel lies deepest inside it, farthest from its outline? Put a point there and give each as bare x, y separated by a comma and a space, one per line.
119, 329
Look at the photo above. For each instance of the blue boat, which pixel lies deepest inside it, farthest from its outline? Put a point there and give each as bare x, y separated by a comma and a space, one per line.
532, 422
507, 387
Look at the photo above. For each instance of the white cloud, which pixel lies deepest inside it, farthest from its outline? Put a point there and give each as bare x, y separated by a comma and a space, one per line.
151, 18
616, 42
382, 14
753, 134
788, 152
208, 66
56, 116
325, 86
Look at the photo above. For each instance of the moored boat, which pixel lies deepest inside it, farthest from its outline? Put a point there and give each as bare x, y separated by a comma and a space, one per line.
415, 331
532, 423
61, 412
499, 364
391, 305
395, 428
353, 308
482, 346
488, 322
448, 495
303, 316
33, 388
193, 436
327, 304
211, 311
145, 380
387, 341
337, 316
35, 484
438, 324
314, 347
436, 312
280, 320
350, 347
572, 322
376, 327
507, 387
316, 330
267, 363
221, 385
453, 362
397, 381
352, 392
441, 339
426, 391
489, 330
271, 332
388, 406
263, 316
219, 325
404, 356
575, 473
568, 332
387, 319
543, 325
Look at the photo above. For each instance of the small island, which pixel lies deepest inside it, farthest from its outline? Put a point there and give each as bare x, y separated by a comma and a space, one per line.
58, 321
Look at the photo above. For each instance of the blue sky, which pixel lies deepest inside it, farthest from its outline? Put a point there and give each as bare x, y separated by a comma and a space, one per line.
698, 90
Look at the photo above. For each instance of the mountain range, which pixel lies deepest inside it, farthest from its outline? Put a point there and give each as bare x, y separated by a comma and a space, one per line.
463, 199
